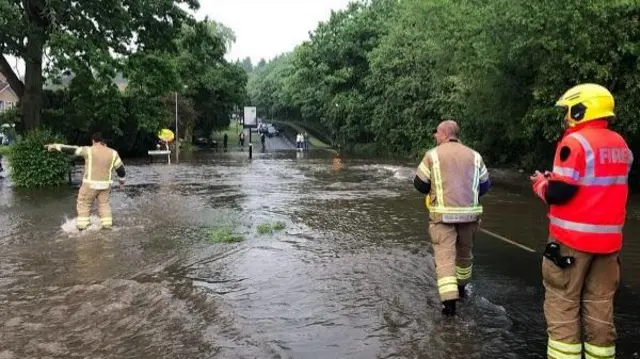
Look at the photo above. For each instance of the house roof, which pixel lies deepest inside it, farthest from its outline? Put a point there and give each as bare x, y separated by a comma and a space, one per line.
4, 86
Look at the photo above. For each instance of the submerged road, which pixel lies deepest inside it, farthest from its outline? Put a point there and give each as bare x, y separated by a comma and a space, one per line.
350, 275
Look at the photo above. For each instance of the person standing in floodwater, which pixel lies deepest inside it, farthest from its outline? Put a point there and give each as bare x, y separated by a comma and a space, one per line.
587, 197
225, 138
453, 176
99, 163
241, 137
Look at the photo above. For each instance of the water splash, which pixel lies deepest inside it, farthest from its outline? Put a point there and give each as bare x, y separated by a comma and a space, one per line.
69, 225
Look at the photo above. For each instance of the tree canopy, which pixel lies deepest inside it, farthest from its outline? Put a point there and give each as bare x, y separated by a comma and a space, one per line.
118, 67
383, 73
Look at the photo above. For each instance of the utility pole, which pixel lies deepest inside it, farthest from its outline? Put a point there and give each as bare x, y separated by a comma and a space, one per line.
177, 138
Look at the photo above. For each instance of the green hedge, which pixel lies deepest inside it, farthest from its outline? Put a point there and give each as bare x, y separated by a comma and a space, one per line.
33, 166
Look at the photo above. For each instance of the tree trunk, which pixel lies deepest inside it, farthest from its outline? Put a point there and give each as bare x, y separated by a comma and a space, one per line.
31, 102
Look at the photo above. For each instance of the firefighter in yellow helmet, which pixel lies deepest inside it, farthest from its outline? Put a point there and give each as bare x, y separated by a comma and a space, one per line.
587, 196
454, 177
100, 161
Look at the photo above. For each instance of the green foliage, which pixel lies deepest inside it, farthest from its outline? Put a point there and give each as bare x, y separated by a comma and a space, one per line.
130, 109
82, 37
278, 226
269, 228
33, 166
382, 74
224, 235
265, 228
5, 151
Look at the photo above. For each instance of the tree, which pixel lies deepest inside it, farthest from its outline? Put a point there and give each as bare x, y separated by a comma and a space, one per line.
213, 84
81, 36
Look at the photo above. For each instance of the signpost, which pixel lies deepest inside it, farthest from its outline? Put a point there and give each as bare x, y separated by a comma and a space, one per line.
250, 120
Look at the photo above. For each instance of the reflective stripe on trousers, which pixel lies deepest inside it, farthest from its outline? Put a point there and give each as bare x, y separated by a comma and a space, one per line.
447, 285
463, 274
82, 222
106, 221
560, 350
597, 352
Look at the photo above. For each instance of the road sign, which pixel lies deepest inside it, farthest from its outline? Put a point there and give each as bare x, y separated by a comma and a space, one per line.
250, 117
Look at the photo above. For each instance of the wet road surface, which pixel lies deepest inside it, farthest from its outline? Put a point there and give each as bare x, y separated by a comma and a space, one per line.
351, 275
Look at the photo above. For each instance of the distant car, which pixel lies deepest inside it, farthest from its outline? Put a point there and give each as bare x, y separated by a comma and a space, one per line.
204, 142
272, 131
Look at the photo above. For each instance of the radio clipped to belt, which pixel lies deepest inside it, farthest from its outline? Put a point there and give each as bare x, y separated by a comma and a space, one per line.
552, 252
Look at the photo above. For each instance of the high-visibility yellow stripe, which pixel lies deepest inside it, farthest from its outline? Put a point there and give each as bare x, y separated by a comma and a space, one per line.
114, 156
600, 352
424, 169
447, 280
565, 348
447, 289
89, 164
106, 221
82, 222
96, 182
447, 285
456, 210
556, 354
476, 177
437, 176
463, 273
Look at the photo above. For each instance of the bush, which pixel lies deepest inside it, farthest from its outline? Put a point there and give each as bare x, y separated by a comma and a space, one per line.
32, 166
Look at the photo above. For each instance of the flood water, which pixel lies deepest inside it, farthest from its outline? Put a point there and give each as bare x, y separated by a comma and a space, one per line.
350, 276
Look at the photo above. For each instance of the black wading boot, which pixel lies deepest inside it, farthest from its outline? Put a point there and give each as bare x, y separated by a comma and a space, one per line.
449, 307
461, 291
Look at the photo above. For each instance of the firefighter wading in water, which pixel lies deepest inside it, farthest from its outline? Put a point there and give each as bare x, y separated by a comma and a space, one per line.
587, 195
99, 163
454, 177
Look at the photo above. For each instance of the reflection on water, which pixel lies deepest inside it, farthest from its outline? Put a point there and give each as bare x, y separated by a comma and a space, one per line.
351, 275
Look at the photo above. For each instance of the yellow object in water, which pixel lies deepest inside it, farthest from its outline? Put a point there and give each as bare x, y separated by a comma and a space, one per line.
166, 135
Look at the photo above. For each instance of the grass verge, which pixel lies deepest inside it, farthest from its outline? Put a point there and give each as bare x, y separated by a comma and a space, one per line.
232, 133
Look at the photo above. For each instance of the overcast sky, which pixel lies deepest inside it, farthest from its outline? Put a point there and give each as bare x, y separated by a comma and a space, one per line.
263, 28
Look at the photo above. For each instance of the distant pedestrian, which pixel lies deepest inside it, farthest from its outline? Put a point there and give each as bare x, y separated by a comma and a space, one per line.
299, 140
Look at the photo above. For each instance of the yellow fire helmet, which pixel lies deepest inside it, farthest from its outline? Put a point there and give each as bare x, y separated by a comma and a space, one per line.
587, 102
